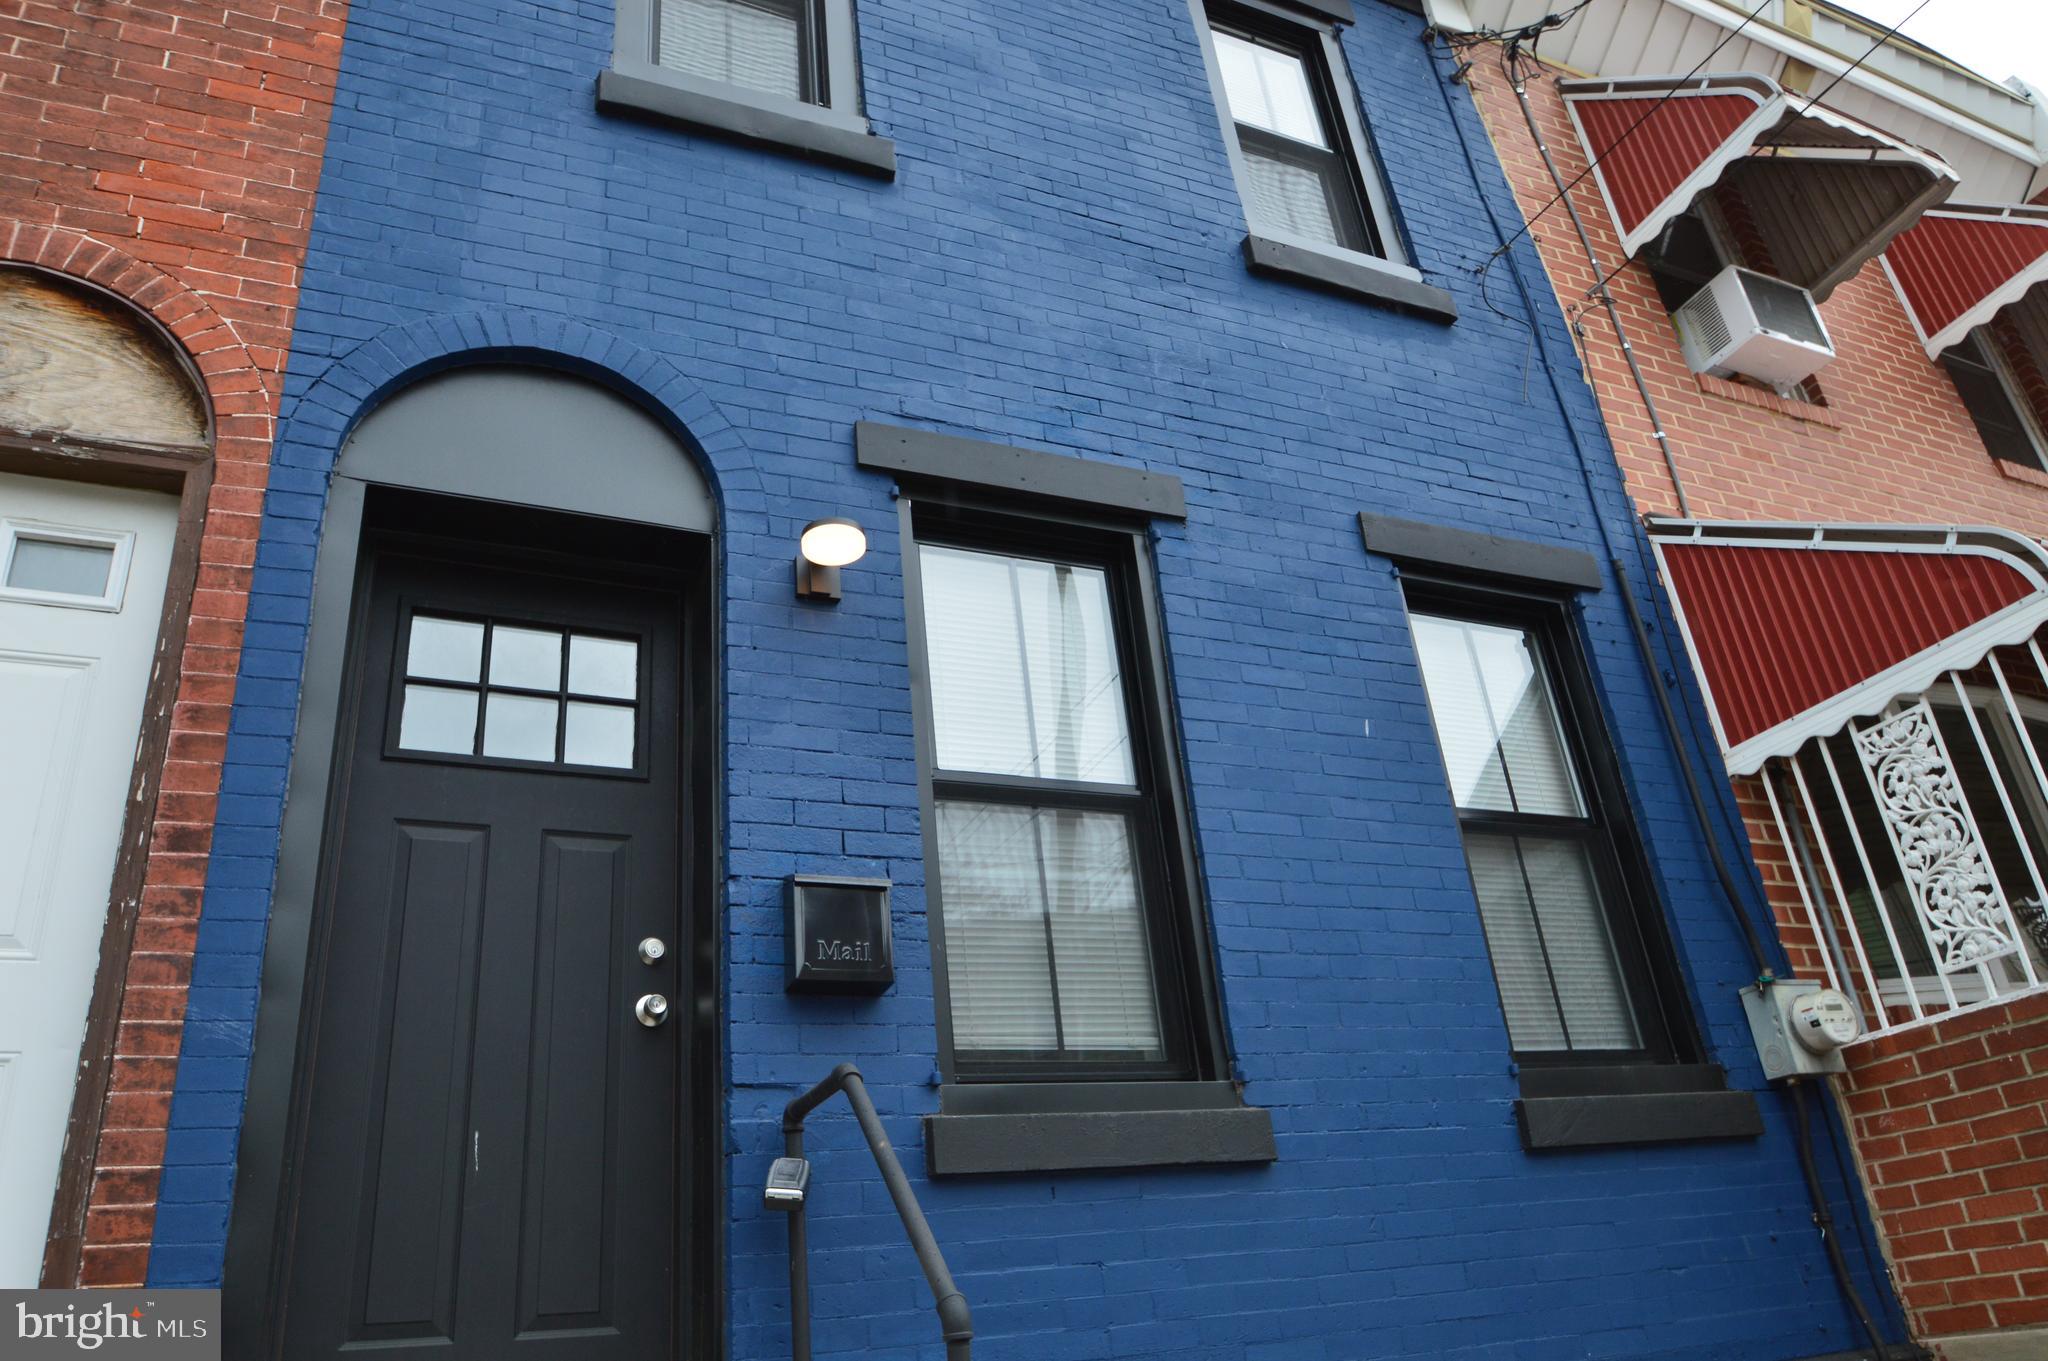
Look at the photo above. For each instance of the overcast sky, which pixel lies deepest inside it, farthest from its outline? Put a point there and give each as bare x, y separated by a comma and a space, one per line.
1996, 38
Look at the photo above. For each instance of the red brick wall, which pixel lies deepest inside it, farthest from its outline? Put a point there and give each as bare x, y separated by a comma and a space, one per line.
1894, 443
1951, 1126
1949, 1121
168, 150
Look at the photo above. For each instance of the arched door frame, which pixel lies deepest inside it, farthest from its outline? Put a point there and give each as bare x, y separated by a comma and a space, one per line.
187, 473
273, 1114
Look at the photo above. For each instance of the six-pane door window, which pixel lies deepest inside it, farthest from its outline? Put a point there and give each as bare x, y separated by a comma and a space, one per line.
1047, 876
506, 692
1565, 954
1300, 167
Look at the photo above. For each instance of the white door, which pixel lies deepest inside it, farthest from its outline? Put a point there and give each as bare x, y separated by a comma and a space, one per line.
82, 572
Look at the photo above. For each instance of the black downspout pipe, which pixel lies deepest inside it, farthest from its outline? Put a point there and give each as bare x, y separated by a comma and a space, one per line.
1731, 888
1795, 1091
956, 1323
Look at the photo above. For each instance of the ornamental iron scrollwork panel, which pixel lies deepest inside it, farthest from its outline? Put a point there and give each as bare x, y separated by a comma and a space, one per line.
1948, 872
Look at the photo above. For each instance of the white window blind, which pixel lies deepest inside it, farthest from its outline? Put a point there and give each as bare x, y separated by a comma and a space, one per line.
1046, 949
1495, 719
1553, 958
1561, 983
1046, 942
1290, 197
754, 43
1024, 672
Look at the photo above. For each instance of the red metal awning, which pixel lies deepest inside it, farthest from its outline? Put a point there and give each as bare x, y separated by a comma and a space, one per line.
1956, 267
1825, 191
1796, 629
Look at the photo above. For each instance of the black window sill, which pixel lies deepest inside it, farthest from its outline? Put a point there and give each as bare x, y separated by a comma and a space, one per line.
799, 130
1627, 1104
1335, 273
1067, 1127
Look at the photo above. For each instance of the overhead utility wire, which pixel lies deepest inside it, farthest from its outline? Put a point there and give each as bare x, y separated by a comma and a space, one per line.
1532, 32
1888, 35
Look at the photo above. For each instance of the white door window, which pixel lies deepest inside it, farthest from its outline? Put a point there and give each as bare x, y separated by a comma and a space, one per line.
82, 574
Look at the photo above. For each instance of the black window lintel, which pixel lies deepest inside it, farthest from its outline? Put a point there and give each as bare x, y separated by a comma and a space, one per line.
1415, 541
1336, 272
1002, 467
800, 129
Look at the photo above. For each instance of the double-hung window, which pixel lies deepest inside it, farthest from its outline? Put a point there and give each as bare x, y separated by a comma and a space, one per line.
1060, 940
1512, 717
2003, 416
1303, 169
781, 72
765, 45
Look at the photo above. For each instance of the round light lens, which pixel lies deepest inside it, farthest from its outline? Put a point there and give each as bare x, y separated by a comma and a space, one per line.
832, 543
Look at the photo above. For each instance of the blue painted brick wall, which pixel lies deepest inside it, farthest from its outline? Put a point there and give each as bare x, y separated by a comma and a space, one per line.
1056, 265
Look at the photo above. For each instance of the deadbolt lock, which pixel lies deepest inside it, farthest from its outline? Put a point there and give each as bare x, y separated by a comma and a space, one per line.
652, 951
652, 1009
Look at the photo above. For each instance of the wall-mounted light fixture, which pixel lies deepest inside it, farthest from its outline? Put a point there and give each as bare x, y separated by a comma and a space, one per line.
824, 548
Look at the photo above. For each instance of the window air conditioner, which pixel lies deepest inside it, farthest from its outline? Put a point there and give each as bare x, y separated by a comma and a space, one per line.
1749, 323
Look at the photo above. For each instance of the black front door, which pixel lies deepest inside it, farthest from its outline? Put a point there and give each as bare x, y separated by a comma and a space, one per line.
490, 1164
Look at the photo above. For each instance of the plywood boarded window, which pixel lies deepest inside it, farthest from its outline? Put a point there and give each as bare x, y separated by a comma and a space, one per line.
76, 364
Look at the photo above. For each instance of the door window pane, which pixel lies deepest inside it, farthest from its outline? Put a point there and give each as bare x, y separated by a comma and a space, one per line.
520, 727
1025, 676
754, 43
528, 658
598, 727
598, 735
1046, 949
1560, 983
1268, 89
60, 567
437, 719
445, 649
1495, 719
604, 666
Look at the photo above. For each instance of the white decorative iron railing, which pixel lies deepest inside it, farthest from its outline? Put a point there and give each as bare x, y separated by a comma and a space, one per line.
1916, 841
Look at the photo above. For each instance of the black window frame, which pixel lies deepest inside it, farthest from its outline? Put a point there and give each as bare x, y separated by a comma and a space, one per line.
1364, 209
827, 121
1177, 931
1989, 368
1644, 950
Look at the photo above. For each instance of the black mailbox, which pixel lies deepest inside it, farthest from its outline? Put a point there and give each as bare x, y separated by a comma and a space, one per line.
837, 934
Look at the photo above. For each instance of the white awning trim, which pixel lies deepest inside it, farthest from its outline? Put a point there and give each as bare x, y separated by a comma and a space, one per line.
1760, 139
1960, 651
1998, 299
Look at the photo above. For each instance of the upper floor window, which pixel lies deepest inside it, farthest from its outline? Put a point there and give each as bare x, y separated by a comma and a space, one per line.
780, 73
1061, 931
1991, 394
1568, 940
1687, 254
1298, 145
765, 45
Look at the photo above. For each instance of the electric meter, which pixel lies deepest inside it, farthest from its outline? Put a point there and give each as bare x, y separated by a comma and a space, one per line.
1822, 1021
1800, 1026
